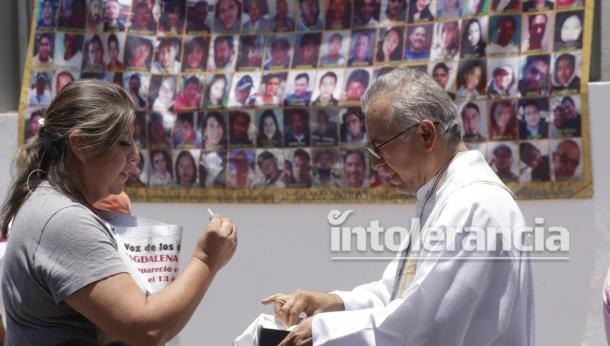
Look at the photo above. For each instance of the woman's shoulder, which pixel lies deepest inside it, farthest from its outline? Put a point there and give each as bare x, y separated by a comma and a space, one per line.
47, 210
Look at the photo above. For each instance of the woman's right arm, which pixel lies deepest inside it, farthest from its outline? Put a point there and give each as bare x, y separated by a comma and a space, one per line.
119, 307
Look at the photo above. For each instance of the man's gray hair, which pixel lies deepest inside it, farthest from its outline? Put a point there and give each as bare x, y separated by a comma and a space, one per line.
413, 96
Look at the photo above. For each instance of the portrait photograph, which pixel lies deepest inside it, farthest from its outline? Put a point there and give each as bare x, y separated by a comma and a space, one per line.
161, 170
299, 87
167, 56
139, 176
68, 49
356, 82
351, 128
185, 168
324, 127
217, 90
566, 159
137, 85
271, 90
474, 37
46, 15
445, 74
34, 117
256, 17
222, 53
310, 15
569, 30
338, 14
172, 20
278, 52
362, 44
503, 157
474, 120
356, 172
297, 168
269, 169
504, 35
212, 169
537, 33
533, 118
282, 15
296, 127
142, 18
227, 16
241, 169
242, 128
116, 14
567, 120
190, 92
195, 53
366, 13
418, 42
93, 54
214, 130
472, 8
307, 50
328, 89
40, 88
159, 127
185, 131
393, 12
114, 44
72, 15
138, 52
503, 77
535, 75
244, 89
326, 167
566, 72
335, 46
61, 78
445, 41
270, 128
95, 15
420, 11
503, 122
449, 9
390, 45
199, 17
251, 49
534, 161
42, 53
162, 92
471, 79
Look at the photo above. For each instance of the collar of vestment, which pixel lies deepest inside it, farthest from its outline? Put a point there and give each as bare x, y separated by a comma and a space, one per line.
466, 168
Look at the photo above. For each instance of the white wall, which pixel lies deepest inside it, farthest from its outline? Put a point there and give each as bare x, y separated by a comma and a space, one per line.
283, 247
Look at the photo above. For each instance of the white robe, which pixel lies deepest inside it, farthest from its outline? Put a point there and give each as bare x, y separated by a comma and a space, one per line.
450, 301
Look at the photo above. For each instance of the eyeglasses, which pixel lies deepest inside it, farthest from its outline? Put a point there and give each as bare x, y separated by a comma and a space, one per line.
375, 150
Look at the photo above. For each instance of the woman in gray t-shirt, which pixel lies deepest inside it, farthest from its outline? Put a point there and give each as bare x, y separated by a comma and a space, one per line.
63, 277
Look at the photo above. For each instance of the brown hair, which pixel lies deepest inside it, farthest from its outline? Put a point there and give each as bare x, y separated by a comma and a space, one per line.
99, 111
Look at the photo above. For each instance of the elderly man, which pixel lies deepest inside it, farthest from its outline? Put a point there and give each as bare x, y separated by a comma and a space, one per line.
450, 294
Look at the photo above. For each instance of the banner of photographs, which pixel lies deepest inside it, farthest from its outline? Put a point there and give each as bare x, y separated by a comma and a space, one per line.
265, 93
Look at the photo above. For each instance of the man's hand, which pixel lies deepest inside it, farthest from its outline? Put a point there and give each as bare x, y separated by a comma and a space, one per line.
289, 307
300, 336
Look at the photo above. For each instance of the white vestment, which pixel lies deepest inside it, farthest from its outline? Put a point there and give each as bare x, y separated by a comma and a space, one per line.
453, 299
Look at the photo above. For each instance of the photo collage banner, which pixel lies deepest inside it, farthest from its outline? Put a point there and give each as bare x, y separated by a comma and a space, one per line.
257, 101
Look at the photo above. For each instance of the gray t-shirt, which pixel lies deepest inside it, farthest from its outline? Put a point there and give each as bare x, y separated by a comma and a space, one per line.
56, 247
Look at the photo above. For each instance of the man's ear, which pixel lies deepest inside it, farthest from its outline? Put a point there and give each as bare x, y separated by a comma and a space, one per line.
76, 142
428, 134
